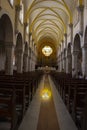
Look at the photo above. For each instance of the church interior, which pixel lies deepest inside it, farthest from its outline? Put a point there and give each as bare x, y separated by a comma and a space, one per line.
43, 64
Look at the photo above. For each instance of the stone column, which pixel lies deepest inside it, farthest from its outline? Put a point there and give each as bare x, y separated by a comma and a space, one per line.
34, 61
25, 62
17, 10
0, 6
81, 14
20, 61
75, 62
31, 61
69, 64
65, 55
63, 58
25, 26
9, 59
84, 61
61, 62
64, 64
29, 58
71, 32
31, 40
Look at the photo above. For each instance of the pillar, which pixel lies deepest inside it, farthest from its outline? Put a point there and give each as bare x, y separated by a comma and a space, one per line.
25, 26
19, 61
69, 64
65, 54
81, 16
71, 32
29, 59
17, 10
64, 63
25, 64
84, 61
9, 59
61, 62
75, 62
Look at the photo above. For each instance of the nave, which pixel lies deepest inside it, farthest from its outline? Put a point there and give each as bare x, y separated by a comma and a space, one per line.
37, 35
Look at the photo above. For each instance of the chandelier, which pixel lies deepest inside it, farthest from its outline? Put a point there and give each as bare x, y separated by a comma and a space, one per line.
47, 50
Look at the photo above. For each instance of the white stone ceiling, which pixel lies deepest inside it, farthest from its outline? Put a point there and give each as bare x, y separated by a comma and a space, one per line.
49, 18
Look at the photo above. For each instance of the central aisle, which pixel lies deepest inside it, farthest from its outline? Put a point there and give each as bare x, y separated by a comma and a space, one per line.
47, 117
49, 114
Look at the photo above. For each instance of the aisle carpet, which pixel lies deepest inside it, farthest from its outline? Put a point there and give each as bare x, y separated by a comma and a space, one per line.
47, 116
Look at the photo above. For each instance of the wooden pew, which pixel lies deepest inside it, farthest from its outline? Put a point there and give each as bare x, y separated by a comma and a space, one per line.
25, 85
73, 92
8, 103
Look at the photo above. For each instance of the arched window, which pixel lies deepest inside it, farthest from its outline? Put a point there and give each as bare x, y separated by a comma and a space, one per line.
21, 14
11, 2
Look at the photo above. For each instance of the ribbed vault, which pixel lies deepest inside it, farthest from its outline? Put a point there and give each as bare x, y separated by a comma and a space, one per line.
49, 18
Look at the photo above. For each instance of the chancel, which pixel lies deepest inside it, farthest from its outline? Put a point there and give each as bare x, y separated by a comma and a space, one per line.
43, 64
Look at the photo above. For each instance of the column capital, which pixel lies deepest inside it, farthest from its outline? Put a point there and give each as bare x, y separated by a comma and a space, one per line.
65, 34
80, 8
71, 25
18, 7
30, 33
25, 24
62, 41
32, 40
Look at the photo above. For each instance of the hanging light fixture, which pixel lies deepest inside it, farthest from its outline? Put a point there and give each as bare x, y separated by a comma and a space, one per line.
47, 50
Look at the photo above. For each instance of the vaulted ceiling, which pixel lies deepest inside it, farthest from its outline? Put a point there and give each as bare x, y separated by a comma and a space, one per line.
49, 19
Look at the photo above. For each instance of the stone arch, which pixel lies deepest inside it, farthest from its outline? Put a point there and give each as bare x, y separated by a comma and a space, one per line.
69, 58
6, 43
77, 51
19, 53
